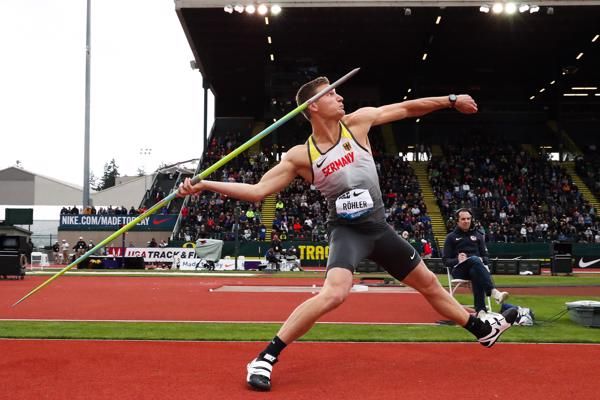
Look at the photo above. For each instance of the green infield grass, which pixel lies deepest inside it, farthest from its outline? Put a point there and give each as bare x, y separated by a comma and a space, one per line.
546, 308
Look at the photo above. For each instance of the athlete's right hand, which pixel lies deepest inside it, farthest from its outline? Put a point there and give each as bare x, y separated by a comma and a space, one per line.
187, 188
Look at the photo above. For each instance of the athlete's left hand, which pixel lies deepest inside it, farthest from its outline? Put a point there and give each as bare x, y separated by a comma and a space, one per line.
465, 104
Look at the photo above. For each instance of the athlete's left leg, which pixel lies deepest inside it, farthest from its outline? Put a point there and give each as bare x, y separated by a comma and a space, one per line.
426, 283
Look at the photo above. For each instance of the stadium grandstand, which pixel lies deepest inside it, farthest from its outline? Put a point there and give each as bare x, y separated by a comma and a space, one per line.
526, 164
525, 168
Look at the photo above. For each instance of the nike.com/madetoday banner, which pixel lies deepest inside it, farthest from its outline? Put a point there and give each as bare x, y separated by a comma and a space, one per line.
164, 222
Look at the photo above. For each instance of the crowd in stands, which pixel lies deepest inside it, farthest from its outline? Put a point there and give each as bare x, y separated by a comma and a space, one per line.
515, 196
212, 215
300, 211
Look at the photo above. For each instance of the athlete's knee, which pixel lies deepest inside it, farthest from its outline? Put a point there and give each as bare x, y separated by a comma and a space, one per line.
430, 284
333, 297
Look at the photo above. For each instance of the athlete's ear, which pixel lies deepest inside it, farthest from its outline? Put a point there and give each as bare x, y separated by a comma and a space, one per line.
312, 107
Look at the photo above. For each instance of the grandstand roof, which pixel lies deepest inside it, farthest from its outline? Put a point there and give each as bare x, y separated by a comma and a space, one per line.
20, 174
499, 59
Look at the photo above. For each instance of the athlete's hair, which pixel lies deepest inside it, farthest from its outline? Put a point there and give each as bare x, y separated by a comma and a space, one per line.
308, 90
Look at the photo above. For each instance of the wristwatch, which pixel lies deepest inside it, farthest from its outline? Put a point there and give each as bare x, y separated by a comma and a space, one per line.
452, 99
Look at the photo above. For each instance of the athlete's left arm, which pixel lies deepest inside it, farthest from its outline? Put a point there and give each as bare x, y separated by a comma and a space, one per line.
412, 109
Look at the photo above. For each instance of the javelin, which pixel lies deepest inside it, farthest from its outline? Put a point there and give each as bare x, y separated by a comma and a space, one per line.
198, 178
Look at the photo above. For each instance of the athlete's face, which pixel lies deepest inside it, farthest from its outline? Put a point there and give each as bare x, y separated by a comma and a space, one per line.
464, 220
331, 105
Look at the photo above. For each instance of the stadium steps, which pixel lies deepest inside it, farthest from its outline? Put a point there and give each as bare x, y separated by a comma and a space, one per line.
436, 151
255, 148
268, 213
437, 219
530, 150
583, 188
388, 139
564, 137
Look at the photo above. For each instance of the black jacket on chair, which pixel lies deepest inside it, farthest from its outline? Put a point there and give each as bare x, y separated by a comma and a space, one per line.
472, 243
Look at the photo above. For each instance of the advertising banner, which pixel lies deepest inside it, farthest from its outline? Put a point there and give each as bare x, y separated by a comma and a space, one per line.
154, 254
164, 222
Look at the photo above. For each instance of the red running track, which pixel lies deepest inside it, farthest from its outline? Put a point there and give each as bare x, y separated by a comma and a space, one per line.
189, 299
91, 370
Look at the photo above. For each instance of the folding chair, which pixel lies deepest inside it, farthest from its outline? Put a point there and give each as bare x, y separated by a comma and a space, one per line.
455, 283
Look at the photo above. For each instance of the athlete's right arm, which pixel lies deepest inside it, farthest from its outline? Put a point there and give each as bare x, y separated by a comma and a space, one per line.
273, 181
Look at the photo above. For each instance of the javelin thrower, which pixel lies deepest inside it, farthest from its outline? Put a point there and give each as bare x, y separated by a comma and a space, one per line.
338, 160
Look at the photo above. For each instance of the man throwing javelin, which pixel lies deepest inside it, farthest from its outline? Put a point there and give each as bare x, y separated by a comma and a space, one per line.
337, 159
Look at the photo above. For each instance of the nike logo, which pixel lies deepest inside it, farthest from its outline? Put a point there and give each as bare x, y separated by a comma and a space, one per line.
584, 264
160, 221
321, 163
457, 239
358, 193
414, 254
490, 338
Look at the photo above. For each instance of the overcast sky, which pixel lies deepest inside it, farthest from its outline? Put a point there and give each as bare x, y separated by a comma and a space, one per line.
143, 94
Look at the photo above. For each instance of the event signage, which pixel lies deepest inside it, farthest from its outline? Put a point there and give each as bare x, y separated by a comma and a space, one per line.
154, 254
158, 254
161, 222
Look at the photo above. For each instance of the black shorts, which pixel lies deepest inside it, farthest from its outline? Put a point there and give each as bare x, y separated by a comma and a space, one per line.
377, 241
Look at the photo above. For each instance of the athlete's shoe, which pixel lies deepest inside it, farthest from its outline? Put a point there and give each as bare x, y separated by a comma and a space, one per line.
500, 297
497, 324
259, 374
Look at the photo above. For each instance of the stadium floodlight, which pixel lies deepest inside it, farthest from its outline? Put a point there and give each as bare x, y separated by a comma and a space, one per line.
534, 9
250, 8
497, 8
407, 12
275, 9
438, 20
510, 8
595, 38
579, 56
553, 82
532, 97
484, 9
239, 8
523, 8
228, 9
263, 9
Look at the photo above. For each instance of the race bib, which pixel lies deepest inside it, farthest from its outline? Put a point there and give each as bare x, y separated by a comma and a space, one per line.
354, 203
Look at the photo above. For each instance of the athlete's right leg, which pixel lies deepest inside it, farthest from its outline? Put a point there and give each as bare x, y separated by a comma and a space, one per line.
335, 290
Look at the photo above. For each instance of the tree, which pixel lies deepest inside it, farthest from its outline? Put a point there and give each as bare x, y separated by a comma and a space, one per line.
140, 171
94, 181
111, 171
